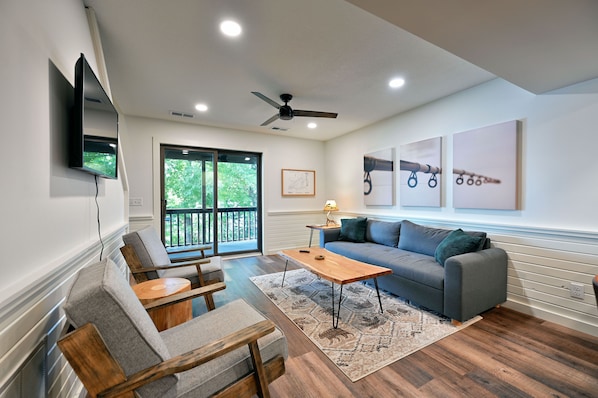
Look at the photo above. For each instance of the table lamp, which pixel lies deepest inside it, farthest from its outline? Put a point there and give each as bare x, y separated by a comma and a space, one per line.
330, 206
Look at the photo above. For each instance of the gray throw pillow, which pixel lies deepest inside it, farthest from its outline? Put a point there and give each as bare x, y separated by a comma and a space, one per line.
353, 229
457, 242
383, 232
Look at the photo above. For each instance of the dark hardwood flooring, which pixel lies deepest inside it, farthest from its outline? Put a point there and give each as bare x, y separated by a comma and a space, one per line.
507, 354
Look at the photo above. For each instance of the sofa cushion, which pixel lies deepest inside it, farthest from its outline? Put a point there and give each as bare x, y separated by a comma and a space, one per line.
383, 232
413, 266
420, 239
457, 242
353, 229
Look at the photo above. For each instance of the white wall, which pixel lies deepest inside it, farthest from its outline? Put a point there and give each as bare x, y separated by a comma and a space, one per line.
49, 212
143, 169
49, 209
552, 240
558, 151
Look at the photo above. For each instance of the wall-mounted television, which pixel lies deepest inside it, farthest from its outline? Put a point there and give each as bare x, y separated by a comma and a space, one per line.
93, 145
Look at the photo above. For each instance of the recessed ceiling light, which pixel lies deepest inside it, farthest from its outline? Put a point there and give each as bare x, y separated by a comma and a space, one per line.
396, 83
201, 107
230, 28
312, 125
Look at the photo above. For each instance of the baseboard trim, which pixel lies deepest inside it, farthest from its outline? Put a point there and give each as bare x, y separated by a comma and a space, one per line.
551, 316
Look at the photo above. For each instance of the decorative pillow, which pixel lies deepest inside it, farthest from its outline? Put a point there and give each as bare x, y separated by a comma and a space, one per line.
419, 239
353, 229
457, 242
383, 232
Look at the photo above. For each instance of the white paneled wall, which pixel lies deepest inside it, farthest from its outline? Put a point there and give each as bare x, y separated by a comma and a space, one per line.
287, 229
541, 269
35, 316
542, 264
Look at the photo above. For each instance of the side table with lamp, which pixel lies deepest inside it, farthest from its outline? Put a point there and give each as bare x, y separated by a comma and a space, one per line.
330, 206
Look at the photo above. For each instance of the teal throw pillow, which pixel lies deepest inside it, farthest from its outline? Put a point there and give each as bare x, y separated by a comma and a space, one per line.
353, 229
457, 242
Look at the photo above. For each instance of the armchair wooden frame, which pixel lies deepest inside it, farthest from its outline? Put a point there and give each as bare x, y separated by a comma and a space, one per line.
172, 252
85, 346
140, 273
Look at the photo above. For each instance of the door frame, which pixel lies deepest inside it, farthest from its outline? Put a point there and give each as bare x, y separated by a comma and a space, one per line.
215, 155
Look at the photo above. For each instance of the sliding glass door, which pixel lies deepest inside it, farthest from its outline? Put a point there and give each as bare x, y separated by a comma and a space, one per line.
211, 197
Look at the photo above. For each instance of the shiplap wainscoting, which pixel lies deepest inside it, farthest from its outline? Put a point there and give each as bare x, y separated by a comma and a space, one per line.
287, 229
31, 364
542, 265
139, 222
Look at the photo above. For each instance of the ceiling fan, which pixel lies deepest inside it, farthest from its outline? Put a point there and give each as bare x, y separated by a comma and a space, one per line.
285, 112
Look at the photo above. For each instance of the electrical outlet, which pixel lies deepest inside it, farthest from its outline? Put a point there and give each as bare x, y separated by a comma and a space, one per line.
135, 201
576, 290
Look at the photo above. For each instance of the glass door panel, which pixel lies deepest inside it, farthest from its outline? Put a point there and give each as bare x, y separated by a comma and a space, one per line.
238, 202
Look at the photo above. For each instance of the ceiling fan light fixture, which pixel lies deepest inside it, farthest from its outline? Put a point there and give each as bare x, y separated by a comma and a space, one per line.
396, 82
311, 125
230, 28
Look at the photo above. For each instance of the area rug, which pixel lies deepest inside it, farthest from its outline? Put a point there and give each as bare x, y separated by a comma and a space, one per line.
365, 340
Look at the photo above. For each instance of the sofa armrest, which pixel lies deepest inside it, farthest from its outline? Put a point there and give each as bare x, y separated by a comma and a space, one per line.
329, 235
474, 282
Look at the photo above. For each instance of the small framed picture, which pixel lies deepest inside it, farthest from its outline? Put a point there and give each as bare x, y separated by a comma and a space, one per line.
298, 182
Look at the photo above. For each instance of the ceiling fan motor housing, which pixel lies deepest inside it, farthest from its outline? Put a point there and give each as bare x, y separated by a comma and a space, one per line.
285, 112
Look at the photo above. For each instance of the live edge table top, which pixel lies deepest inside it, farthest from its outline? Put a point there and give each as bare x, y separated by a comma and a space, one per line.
334, 267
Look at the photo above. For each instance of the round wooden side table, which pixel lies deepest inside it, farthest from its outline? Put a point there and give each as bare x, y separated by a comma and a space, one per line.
155, 289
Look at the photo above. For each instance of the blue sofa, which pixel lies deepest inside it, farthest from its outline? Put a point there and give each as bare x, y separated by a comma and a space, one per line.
455, 273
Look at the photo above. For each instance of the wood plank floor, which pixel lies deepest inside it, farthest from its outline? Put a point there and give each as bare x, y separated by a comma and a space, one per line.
507, 354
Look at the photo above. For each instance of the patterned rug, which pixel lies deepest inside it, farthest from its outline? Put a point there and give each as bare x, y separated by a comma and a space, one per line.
365, 340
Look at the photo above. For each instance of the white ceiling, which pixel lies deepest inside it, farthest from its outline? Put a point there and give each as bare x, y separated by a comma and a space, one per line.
332, 56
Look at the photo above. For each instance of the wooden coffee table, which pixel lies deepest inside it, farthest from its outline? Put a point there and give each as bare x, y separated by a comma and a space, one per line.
336, 269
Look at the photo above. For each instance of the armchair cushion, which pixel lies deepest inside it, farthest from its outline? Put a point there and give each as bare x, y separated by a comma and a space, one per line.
223, 370
212, 272
151, 253
149, 248
101, 295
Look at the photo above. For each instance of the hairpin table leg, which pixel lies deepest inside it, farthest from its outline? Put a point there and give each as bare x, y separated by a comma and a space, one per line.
338, 312
285, 273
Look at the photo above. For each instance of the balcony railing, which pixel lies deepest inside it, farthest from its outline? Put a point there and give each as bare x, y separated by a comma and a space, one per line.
188, 227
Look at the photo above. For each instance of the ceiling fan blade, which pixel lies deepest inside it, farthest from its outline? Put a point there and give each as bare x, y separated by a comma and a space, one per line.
298, 112
268, 100
267, 122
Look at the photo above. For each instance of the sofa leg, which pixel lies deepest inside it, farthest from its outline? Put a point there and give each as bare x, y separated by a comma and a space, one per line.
455, 322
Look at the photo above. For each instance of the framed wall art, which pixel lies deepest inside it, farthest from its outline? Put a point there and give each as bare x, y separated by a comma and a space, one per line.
485, 167
298, 182
420, 165
379, 178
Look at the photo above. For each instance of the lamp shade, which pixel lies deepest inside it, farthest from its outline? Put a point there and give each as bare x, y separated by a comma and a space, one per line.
330, 205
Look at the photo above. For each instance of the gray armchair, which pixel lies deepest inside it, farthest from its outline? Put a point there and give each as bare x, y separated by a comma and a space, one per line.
116, 350
147, 259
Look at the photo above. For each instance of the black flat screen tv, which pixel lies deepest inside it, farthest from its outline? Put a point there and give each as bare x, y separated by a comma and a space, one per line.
93, 145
